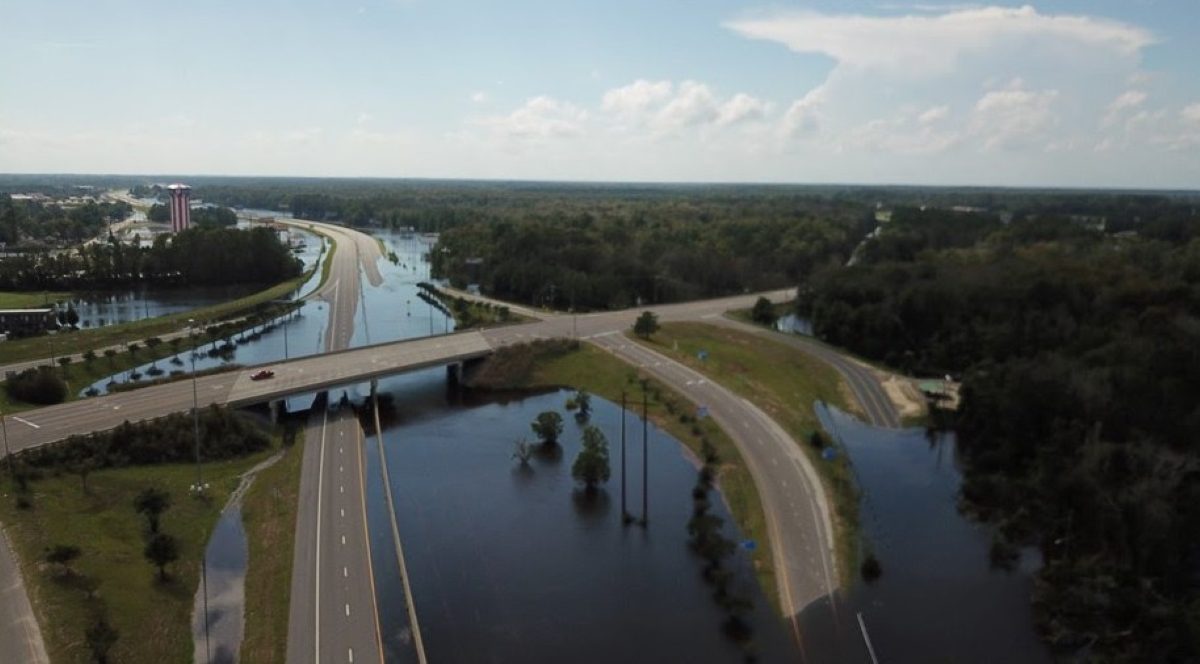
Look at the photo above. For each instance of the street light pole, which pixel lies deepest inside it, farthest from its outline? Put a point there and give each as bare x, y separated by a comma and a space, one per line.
196, 407
12, 467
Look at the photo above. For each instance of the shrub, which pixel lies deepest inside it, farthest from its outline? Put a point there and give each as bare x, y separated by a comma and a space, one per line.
39, 385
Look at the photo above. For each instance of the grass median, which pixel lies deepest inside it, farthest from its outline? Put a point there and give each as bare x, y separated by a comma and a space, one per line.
568, 364
153, 618
269, 517
785, 383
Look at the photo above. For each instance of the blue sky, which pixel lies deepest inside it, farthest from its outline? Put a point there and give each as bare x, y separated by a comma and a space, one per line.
1067, 93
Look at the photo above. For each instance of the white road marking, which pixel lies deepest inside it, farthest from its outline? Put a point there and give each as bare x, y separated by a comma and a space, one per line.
351, 651
345, 573
341, 489
343, 511
22, 420
343, 539
347, 610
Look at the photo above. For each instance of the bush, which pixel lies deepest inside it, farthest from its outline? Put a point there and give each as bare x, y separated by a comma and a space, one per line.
871, 569
39, 385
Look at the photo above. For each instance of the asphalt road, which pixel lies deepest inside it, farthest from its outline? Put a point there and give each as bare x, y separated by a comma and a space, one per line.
20, 638
333, 616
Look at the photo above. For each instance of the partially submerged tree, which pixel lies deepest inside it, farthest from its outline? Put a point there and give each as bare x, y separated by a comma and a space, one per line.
591, 466
548, 426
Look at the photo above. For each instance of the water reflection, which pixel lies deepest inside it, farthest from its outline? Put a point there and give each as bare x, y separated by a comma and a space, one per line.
938, 598
512, 563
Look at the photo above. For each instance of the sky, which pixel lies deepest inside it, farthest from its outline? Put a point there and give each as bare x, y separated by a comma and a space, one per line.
1088, 93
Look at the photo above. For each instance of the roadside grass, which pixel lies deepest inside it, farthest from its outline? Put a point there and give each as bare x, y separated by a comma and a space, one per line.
785, 383
591, 369
30, 299
269, 517
153, 618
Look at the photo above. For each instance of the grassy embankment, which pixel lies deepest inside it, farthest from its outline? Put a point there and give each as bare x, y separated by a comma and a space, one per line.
591, 369
153, 618
31, 300
79, 374
784, 383
269, 517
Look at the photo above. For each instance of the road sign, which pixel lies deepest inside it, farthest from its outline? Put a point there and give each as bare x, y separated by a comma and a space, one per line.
749, 545
702, 355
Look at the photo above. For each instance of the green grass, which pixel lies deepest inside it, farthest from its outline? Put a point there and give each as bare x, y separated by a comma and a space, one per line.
30, 300
154, 619
784, 382
597, 372
269, 517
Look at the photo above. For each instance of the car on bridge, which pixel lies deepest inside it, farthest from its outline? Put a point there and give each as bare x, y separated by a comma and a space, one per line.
262, 374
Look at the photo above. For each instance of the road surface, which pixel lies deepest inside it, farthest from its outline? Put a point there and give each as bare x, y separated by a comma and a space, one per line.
20, 638
333, 616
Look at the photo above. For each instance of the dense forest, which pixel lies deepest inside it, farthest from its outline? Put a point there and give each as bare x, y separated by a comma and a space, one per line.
197, 256
1078, 343
619, 257
34, 223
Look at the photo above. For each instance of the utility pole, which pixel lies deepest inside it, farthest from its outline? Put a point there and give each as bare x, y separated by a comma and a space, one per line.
645, 457
624, 512
12, 467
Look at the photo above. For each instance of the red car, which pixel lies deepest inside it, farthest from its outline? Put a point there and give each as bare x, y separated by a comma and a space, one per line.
262, 374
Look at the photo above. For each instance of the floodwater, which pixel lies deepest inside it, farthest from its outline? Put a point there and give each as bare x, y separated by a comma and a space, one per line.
390, 312
225, 566
939, 599
794, 324
101, 309
510, 563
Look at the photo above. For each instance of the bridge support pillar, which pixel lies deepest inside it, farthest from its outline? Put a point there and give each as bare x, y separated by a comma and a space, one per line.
278, 407
374, 387
454, 373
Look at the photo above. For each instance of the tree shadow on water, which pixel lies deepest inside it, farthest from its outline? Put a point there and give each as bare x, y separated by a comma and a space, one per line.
549, 453
593, 506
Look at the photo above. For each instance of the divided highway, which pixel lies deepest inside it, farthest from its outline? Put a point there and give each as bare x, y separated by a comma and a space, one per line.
333, 616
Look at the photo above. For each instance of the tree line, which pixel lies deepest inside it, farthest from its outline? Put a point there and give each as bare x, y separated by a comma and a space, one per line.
1076, 342
32, 224
201, 256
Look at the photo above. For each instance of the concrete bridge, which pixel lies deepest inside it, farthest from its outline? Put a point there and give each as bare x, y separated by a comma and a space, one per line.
236, 388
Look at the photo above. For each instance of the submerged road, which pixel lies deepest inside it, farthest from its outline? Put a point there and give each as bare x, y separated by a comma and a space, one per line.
333, 616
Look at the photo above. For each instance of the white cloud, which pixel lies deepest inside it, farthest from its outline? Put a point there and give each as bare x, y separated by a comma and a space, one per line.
692, 104
636, 98
804, 115
540, 117
663, 107
934, 115
1014, 117
741, 107
1191, 114
1127, 100
921, 46
478, 97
